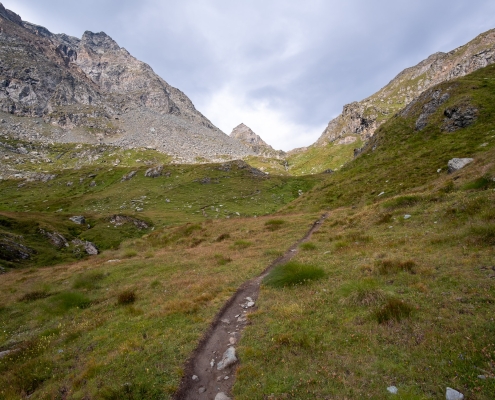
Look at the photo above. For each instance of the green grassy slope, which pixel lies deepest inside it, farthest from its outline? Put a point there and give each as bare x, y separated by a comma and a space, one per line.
409, 292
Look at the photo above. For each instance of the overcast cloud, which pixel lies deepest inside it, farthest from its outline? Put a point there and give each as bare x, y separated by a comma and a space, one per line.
282, 67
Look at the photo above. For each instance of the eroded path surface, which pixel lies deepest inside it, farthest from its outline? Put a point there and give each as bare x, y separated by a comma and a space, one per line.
210, 371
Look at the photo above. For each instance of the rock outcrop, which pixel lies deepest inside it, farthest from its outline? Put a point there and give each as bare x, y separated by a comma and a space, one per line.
93, 91
366, 116
253, 142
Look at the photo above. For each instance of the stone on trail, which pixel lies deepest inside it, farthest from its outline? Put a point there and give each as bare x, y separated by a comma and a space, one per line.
201, 390
228, 359
453, 394
222, 396
458, 163
195, 378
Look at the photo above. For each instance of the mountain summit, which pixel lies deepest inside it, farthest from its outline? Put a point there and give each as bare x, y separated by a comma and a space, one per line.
92, 90
254, 142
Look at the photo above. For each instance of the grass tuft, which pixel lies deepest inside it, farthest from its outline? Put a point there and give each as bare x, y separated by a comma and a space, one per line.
293, 273
386, 267
308, 246
393, 310
126, 297
63, 302
362, 293
274, 224
35, 295
241, 244
222, 237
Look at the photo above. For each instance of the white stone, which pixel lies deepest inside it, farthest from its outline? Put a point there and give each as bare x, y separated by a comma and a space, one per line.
228, 359
453, 394
407, 216
393, 389
222, 396
195, 378
458, 163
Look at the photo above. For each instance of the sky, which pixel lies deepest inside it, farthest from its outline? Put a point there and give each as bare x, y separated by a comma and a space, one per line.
284, 68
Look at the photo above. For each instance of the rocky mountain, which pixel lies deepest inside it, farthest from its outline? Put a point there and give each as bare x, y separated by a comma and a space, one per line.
364, 117
91, 90
258, 146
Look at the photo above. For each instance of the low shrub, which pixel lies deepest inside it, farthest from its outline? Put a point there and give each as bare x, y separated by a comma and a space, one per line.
293, 273
129, 253
483, 234
402, 201
126, 297
393, 310
483, 183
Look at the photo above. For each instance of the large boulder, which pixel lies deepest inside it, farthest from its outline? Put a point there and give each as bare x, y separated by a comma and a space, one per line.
154, 172
458, 163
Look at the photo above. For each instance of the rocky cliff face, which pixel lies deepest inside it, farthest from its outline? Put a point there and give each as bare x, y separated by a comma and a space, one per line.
366, 116
245, 135
92, 90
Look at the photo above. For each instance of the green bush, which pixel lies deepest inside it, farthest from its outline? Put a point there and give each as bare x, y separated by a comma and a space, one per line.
293, 273
241, 244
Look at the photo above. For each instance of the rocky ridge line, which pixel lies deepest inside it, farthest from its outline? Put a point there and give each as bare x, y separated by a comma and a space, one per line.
245, 135
94, 91
365, 116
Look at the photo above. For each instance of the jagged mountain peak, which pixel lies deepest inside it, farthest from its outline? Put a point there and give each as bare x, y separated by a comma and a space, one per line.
254, 142
92, 90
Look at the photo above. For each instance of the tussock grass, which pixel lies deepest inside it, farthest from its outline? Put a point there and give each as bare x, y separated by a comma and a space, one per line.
35, 295
308, 246
274, 224
386, 267
362, 293
241, 244
292, 274
65, 301
126, 297
393, 310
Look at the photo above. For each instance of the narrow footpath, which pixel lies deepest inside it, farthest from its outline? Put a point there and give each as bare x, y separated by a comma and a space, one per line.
210, 371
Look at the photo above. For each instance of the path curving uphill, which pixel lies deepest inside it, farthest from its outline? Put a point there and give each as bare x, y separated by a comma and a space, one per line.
210, 370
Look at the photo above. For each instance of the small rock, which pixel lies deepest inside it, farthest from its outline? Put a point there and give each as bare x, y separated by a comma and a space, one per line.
226, 378
201, 390
381, 194
407, 216
439, 170
78, 219
222, 396
458, 163
195, 378
92, 184
5, 353
154, 172
250, 304
232, 340
226, 321
128, 176
393, 389
249, 299
212, 363
228, 359
243, 318
453, 394
481, 377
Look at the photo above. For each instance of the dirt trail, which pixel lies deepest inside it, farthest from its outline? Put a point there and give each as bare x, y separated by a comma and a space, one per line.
202, 379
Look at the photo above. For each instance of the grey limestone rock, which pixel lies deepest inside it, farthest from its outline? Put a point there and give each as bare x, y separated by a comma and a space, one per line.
228, 359
458, 163
89, 247
154, 172
452, 394
11, 248
78, 219
128, 176
245, 135
222, 396
459, 117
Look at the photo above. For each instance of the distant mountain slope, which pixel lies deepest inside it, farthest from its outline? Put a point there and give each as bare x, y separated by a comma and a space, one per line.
96, 92
366, 116
246, 136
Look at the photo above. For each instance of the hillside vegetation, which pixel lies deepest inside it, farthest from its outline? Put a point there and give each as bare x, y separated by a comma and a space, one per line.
397, 288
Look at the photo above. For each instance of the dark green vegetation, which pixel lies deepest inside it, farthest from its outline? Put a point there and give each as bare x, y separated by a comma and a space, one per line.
292, 274
399, 282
